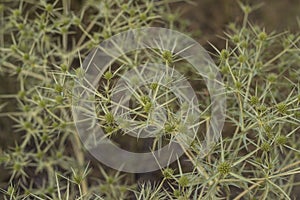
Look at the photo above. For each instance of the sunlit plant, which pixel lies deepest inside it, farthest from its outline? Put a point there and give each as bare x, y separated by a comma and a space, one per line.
43, 45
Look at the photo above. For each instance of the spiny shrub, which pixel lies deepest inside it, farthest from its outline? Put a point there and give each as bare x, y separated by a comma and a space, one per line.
42, 48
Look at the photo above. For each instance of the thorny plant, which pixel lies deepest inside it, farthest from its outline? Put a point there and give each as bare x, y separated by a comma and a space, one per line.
42, 47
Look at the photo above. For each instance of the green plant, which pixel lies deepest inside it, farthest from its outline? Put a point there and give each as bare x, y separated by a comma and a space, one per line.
42, 47
42, 43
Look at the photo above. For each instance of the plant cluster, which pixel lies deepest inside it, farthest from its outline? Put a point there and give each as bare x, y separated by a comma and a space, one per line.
42, 47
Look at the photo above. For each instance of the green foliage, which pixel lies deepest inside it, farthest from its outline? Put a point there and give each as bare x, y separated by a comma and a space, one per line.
42, 47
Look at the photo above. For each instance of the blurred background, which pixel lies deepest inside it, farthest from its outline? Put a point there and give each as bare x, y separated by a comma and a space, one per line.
211, 17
